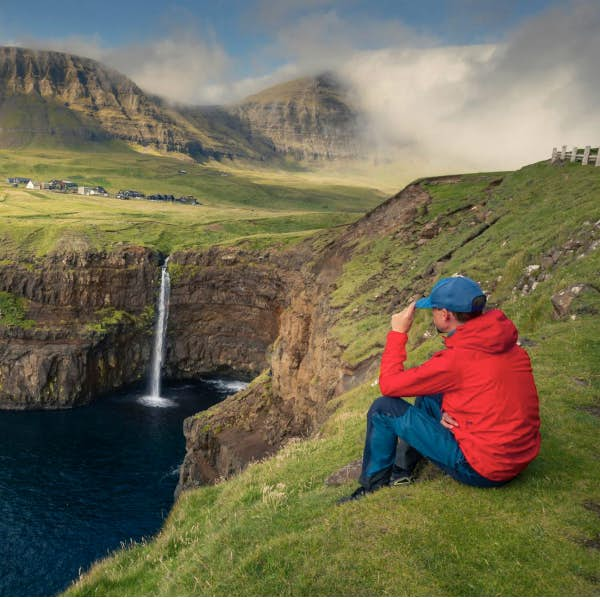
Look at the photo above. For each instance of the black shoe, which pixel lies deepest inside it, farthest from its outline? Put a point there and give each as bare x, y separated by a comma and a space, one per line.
357, 494
360, 492
401, 478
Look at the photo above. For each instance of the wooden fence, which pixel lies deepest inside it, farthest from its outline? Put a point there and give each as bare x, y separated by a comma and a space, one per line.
586, 156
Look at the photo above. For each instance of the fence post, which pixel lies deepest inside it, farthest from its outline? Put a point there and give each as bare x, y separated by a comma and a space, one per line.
554, 154
574, 154
563, 153
598, 158
586, 155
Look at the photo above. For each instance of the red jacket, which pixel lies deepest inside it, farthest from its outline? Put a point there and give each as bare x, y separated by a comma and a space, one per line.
488, 388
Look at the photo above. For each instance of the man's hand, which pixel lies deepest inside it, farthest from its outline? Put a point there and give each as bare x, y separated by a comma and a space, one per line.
448, 422
403, 321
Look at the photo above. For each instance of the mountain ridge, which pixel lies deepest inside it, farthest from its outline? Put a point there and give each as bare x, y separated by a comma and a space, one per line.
55, 97
309, 118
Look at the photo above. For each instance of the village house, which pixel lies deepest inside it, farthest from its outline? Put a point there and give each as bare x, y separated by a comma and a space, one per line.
62, 185
126, 194
92, 191
188, 200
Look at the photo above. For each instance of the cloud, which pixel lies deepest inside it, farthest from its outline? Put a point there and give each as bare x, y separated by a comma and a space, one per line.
88, 46
326, 39
179, 67
493, 106
182, 65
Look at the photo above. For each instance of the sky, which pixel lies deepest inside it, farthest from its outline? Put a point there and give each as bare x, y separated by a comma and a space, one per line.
490, 83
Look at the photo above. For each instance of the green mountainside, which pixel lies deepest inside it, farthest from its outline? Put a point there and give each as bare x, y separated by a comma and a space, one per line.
29, 120
531, 237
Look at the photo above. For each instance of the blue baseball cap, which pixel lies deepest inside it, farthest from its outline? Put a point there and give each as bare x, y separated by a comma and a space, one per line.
455, 294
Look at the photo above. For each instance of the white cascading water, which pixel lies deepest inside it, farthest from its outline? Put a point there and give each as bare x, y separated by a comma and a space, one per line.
161, 331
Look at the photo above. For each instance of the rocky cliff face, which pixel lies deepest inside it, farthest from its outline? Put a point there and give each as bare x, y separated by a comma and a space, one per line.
308, 118
225, 310
99, 97
60, 370
123, 279
92, 326
306, 367
93, 323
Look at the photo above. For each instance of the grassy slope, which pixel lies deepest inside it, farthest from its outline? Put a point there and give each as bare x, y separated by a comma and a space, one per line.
275, 529
29, 120
234, 205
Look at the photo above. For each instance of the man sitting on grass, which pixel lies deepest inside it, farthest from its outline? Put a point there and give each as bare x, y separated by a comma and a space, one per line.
476, 415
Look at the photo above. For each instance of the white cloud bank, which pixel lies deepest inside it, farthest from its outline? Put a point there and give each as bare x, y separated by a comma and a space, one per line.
488, 107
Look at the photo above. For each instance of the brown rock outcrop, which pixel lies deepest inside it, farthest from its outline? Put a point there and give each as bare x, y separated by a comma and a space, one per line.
70, 355
67, 373
571, 300
124, 279
309, 118
224, 310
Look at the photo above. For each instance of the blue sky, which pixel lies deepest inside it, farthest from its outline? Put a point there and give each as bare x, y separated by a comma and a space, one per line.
245, 28
492, 83
242, 24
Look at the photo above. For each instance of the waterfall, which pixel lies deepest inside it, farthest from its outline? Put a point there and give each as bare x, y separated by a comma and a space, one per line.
160, 333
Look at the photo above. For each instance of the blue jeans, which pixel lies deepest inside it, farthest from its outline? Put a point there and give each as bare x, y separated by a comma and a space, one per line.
399, 434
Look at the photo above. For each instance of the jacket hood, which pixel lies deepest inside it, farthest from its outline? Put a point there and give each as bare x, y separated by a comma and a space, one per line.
492, 332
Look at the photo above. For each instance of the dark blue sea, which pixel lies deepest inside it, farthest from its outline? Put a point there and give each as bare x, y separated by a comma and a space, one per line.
76, 484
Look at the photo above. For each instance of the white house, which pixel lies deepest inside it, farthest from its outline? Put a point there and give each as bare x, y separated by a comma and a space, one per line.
98, 191
32, 185
91, 191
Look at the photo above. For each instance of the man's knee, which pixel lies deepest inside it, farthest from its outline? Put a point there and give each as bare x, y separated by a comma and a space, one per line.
389, 406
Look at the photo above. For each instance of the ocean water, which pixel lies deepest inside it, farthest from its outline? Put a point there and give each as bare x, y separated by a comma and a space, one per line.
76, 484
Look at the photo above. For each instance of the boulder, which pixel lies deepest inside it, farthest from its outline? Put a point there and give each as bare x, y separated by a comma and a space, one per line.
348, 473
580, 298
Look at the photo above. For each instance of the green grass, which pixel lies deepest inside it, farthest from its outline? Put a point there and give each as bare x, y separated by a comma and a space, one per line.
115, 166
273, 209
13, 311
27, 120
35, 225
533, 211
275, 529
